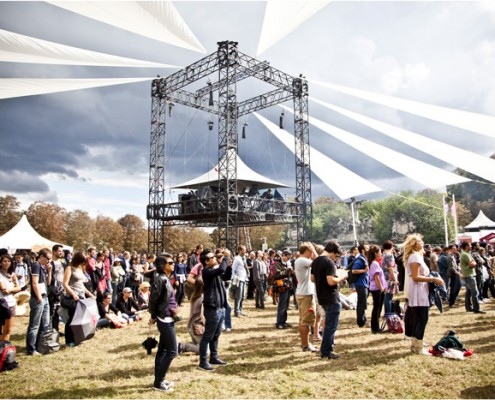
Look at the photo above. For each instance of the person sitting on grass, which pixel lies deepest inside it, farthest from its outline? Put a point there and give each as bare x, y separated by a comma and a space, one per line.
144, 295
109, 314
128, 306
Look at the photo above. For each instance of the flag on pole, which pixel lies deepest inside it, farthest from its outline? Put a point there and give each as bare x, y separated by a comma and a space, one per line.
445, 208
453, 209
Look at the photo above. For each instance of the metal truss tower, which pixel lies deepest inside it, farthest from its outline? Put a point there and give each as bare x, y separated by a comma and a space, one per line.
232, 66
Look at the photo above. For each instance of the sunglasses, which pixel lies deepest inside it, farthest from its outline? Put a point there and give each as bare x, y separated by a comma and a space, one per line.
209, 258
169, 263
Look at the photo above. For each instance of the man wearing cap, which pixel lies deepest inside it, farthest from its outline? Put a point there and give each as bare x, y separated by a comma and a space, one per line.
117, 275
214, 303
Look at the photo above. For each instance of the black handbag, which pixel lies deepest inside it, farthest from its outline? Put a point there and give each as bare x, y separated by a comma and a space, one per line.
68, 302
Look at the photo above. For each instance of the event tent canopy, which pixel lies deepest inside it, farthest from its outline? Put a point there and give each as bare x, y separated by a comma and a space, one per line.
246, 178
480, 222
23, 236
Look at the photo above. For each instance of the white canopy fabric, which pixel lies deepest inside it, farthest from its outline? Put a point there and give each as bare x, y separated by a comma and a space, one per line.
25, 49
19, 87
419, 171
282, 17
246, 177
479, 123
157, 20
479, 165
342, 181
481, 221
23, 236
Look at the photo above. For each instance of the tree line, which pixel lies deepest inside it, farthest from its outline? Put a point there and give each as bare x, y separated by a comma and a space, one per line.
422, 211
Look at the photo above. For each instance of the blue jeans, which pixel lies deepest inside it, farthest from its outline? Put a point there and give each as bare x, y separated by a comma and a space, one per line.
239, 297
387, 302
471, 301
39, 322
455, 287
283, 304
228, 315
332, 314
213, 330
104, 323
167, 350
362, 297
114, 293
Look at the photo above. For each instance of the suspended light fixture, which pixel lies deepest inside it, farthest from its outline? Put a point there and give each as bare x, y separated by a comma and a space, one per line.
281, 121
244, 130
211, 103
170, 106
210, 125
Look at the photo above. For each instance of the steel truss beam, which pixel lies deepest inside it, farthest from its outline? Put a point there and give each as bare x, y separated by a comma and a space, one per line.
232, 66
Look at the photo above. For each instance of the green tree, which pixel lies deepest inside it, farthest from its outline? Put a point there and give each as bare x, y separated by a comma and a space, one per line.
476, 195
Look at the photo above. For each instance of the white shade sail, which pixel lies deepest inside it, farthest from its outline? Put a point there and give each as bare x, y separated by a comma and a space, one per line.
479, 123
481, 166
23, 236
24, 49
282, 17
419, 171
157, 20
342, 181
19, 87
246, 177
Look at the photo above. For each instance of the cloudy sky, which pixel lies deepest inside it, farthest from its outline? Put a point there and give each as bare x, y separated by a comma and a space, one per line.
89, 149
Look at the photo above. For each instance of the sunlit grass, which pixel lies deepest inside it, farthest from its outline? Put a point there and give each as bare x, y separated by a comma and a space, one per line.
265, 363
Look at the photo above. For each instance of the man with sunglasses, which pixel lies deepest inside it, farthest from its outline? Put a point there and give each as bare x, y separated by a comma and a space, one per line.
215, 272
39, 316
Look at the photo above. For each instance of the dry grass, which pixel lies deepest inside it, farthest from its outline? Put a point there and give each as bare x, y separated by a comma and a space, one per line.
265, 363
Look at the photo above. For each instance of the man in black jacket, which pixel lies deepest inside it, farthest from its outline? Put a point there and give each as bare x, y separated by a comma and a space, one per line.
214, 303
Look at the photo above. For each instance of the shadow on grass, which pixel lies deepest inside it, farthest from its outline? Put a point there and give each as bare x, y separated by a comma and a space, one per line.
80, 393
478, 392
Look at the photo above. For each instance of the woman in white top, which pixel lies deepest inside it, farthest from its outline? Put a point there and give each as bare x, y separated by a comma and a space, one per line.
8, 286
418, 277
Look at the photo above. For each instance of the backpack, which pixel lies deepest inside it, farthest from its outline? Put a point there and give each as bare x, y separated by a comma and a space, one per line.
450, 341
393, 323
7, 356
48, 342
55, 291
351, 278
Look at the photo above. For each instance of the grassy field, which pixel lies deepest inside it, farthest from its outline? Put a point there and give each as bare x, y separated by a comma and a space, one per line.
265, 363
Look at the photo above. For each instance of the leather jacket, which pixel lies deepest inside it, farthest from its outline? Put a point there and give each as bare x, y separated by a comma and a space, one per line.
161, 290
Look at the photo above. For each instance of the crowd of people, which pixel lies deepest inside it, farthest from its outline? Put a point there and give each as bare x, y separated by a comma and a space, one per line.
128, 285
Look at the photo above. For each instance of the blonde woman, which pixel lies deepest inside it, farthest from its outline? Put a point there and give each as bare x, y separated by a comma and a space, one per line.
418, 279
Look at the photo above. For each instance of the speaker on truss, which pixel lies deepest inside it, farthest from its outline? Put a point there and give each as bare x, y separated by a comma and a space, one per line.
233, 202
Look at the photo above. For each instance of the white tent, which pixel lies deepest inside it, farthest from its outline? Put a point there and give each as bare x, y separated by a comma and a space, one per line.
481, 222
23, 236
246, 178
